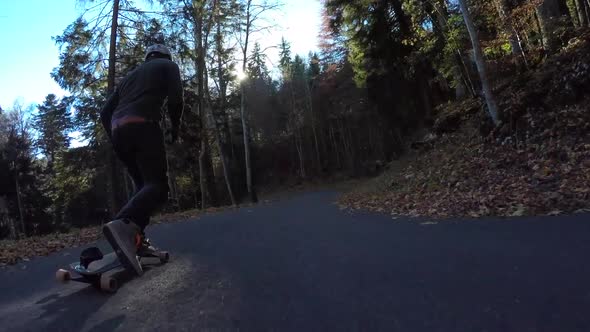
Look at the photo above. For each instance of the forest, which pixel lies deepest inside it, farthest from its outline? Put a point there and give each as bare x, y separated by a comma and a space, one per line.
391, 78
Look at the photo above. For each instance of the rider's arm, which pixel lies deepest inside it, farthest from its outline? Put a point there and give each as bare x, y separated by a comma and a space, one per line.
175, 100
106, 113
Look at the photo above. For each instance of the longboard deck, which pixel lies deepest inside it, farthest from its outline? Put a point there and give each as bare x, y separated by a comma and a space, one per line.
107, 263
103, 273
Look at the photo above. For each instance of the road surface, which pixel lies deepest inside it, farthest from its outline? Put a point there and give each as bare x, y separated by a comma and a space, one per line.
302, 264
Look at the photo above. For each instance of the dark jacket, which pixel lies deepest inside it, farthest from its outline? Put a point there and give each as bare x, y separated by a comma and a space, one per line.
142, 93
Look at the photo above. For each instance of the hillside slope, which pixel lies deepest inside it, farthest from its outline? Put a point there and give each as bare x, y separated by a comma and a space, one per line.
536, 163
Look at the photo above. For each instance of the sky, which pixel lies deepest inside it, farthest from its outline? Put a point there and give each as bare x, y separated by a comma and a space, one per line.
29, 54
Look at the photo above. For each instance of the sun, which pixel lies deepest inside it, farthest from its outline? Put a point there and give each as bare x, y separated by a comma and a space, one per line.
240, 75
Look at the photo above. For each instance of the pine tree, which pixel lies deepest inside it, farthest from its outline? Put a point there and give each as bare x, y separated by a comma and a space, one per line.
53, 123
285, 59
26, 201
91, 60
257, 64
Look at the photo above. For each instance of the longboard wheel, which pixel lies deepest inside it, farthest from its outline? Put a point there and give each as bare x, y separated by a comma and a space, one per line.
63, 275
164, 256
108, 284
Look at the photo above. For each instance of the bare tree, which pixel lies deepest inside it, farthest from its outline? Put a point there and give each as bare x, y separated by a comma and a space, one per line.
513, 36
190, 23
480, 62
309, 97
252, 14
222, 87
110, 89
201, 30
18, 127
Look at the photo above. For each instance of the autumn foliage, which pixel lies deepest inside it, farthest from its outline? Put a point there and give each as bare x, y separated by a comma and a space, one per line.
538, 163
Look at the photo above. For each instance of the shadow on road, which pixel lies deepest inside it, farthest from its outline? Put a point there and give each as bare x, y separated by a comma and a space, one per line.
70, 312
109, 324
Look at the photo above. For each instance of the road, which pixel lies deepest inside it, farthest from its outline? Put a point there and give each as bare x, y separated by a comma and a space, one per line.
302, 264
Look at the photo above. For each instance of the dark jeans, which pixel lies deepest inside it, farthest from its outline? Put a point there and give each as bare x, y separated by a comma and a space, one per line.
140, 146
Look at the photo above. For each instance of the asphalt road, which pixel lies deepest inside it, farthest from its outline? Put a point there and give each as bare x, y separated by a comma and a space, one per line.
302, 264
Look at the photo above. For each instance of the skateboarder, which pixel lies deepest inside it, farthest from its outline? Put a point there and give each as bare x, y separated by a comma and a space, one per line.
131, 119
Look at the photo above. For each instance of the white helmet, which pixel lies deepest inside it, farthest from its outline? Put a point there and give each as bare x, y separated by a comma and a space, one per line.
157, 48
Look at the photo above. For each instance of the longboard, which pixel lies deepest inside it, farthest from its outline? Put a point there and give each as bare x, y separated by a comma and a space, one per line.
103, 273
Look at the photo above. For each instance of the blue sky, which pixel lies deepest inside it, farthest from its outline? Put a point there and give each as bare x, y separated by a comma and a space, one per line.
29, 54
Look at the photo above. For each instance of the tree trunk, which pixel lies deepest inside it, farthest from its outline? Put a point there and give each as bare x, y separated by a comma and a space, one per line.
461, 80
299, 146
354, 152
173, 195
346, 147
113, 48
313, 127
200, 89
202, 156
552, 14
479, 61
503, 12
335, 145
224, 164
112, 159
249, 183
513, 37
202, 177
193, 182
20, 203
539, 29
245, 133
575, 14
465, 73
172, 184
229, 133
13, 232
222, 93
581, 8
207, 180
544, 25
424, 88
403, 20
5, 217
